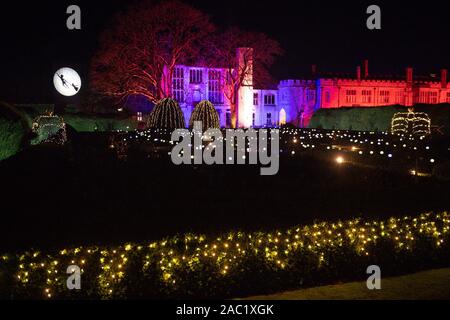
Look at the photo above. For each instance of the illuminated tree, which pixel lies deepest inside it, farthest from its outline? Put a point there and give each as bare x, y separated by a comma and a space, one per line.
166, 114
256, 61
206, 113
416, 123
138, 54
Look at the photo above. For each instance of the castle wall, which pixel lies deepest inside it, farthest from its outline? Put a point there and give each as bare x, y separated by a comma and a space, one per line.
295, 101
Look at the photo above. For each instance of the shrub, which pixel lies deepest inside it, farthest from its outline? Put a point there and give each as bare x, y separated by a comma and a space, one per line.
166, 114
236, 263
206, 113
11, 137
14, 126
91, 123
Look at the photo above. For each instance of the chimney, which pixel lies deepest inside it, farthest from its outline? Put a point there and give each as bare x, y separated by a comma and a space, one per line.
314, 70
366, 68
358, 73
444, 78
409, 74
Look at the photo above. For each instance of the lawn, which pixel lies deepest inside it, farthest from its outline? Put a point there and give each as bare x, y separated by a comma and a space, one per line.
432, 284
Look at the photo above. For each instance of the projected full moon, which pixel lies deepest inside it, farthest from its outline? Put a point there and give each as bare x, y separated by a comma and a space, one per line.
67, 82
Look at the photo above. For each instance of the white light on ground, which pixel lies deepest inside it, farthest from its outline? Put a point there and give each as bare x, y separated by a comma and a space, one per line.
340, 160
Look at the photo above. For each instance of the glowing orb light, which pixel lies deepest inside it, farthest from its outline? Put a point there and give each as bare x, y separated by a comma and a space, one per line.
67, 82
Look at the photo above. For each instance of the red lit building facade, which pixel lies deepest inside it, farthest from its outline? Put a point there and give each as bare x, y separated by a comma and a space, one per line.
300, 98
294, 101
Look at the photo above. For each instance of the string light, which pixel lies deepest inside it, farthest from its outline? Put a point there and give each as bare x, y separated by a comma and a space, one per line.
278, 248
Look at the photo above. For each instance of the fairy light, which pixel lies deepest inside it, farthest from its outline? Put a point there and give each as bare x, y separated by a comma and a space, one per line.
226, 252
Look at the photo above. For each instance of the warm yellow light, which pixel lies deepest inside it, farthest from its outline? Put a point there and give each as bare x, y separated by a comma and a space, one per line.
340, 160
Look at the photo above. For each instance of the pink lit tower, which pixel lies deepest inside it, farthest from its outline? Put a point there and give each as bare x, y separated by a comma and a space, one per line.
244, 98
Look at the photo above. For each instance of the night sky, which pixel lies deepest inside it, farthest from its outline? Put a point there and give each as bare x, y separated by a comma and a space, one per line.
35, 41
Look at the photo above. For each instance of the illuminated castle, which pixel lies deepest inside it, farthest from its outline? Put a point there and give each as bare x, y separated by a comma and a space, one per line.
296, 100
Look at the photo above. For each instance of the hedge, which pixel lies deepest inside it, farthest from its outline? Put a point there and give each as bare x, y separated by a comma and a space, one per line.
82, 122
233, 264
91, 123
375, 119
11, 137
14, 125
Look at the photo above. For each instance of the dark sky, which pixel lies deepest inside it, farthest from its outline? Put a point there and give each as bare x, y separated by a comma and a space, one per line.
333, 35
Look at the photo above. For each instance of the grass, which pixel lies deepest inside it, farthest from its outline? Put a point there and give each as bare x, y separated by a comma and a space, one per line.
432, 284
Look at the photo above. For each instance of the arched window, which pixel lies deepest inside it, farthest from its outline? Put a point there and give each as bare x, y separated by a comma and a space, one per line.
282, 117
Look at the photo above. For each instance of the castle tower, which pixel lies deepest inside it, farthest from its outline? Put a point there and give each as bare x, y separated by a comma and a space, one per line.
244, 99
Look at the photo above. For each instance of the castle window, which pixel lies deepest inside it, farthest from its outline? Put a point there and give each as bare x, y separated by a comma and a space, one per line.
448, 97
195, 76
384, 94
399, 97
215, 94
269, 100
327, 96
253, 119
178, 84
366, 96
350, 96
423, 97
433, 97
228, 77
269, 119
255, 98
228, 119
310, 95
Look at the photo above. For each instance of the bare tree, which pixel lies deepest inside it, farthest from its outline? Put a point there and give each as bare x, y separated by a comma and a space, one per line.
138, 55
257, 59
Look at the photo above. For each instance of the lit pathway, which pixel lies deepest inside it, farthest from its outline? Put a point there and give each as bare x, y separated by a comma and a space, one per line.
433, 284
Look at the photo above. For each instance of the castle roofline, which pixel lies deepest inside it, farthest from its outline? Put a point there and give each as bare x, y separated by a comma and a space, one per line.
352, 77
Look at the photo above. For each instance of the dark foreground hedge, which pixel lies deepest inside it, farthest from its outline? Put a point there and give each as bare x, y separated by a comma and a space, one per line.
233, 264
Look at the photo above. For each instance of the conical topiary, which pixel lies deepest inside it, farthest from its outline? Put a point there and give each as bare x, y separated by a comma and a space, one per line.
206, 113
166, 114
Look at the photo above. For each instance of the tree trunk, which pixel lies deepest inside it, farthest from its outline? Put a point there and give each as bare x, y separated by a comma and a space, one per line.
233, 109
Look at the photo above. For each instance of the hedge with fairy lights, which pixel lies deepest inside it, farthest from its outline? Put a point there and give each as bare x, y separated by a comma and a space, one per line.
233, 264
166, 114
49, 129
206, 113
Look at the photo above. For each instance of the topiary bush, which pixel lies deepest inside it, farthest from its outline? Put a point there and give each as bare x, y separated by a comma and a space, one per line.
206, 113
166, 114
